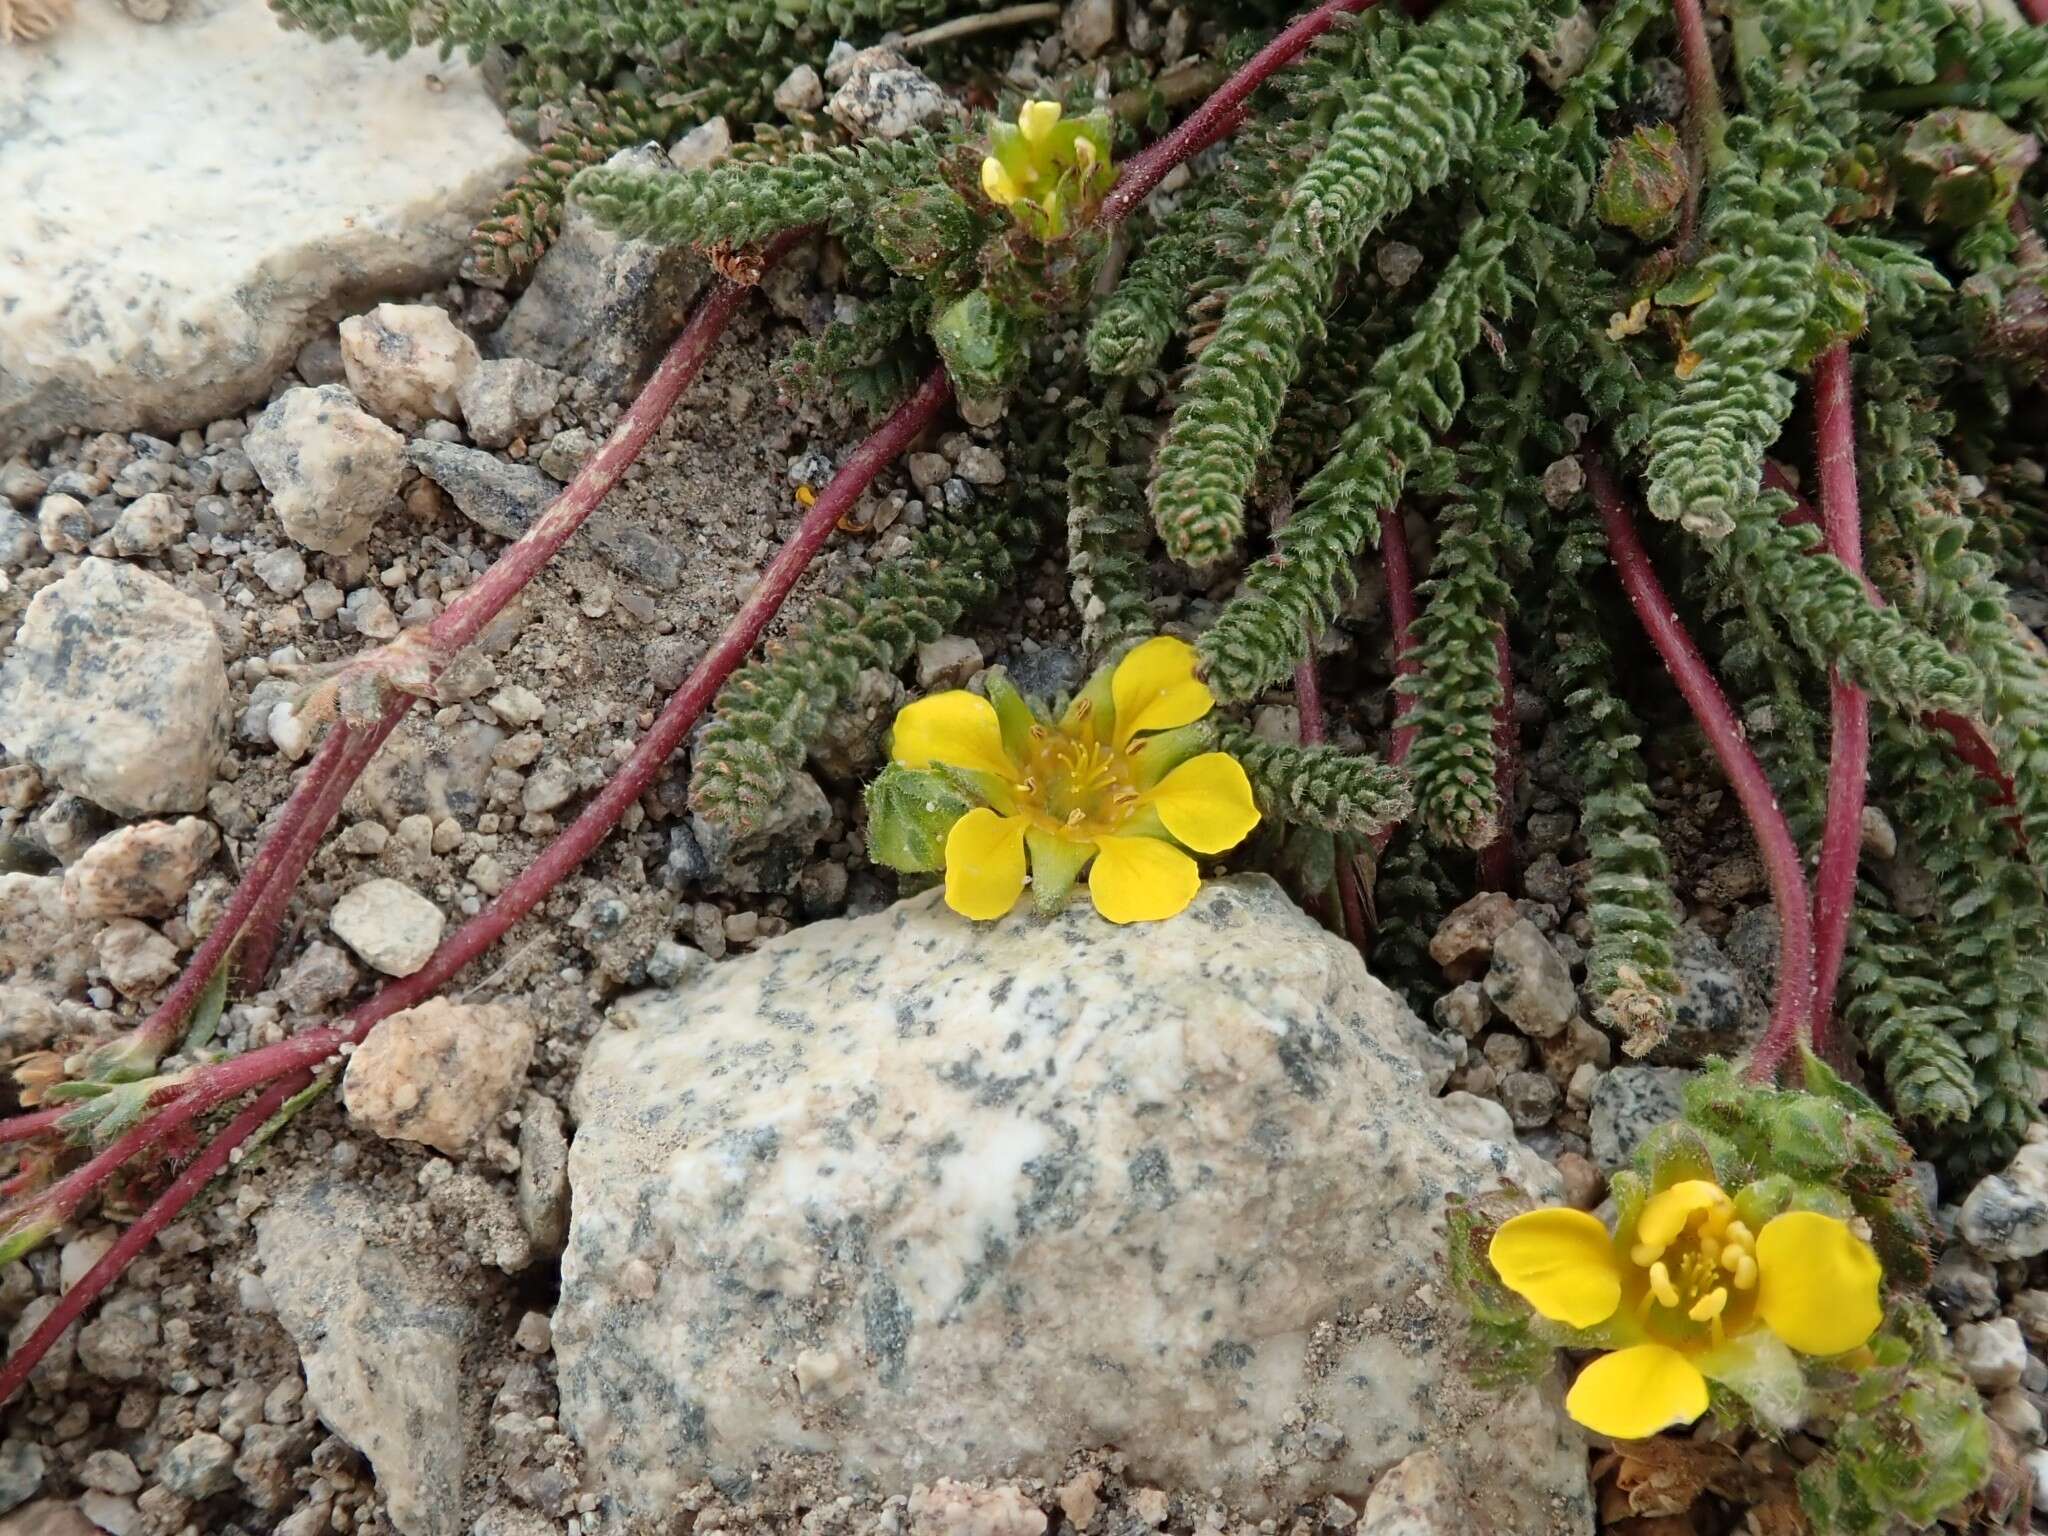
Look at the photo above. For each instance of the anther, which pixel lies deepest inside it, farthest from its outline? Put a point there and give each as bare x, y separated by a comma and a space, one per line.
1710, 1306
1661, 1286
1745, 1273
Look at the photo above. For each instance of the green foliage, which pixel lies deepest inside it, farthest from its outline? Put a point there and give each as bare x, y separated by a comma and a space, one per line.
1320, 786
1415, 386
1823, 608
1106, 526
871, 358
1896, 999
1458, 687
1424, 116
745, 203
1765, 225
1630, 968
523, 223
772, 710
910, 811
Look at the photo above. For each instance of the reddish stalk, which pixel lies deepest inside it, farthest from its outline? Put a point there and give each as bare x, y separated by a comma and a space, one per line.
1688, 668
258, 901
2037, 11
1497, 861
1706, 124
260, 932
1834, 887
161, 1213
1971, 741
292, 1060
1221, 114
1308, 702
1402, 611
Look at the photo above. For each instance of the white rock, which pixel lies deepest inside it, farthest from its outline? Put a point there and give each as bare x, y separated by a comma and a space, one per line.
203, 192
392, 926
997, 1192
439, 1074
2037, 1469
406, 362
145, 870
703, 146
116, 689
506, 398
602, 306
382, 1332
950, 1508
135, 958
1419, 1496
1993, 1355
1089, 26
331, 467
887, 97
39, 940
801, 91
2006, 1215
148, 525
947, 662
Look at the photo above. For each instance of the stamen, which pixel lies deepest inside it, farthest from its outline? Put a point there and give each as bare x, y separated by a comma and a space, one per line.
1745, 1273
1646, 1254
1710, 1306
1710, 1249
1738, 1233
1661, 1286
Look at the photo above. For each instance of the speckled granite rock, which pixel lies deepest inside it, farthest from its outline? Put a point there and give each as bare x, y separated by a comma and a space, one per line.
382, 1331
195, 196
116, 688
943, 1200
601, 305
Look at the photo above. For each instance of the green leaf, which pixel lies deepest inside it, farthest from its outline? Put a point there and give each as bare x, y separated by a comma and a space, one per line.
910, 812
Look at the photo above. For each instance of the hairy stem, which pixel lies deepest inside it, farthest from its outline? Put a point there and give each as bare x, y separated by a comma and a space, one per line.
1220, 115
1402, 612
1497, 861
1834, 889
287, 1065
258, 901
1308, 703
1793, 1008
161, 1213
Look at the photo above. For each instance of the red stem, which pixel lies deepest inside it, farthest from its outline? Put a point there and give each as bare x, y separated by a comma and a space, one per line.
1402, 612
1688, 668
1308, 702
292, 1059
161, 1213
1497, 861
1834, 891
260, 932
1973, 744
259, 899
1221, 113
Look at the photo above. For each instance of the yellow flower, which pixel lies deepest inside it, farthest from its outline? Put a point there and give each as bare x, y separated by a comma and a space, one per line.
1118, 787
1692, 1292
1048, 172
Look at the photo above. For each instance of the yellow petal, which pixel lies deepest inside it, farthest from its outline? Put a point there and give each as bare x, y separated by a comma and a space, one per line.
1664, 1213
1155, 688
1561, 1262
1634, 1392
1141, 879
997, 183
984, 864
1037, 119
1207, 802
1816, 1283
959, 729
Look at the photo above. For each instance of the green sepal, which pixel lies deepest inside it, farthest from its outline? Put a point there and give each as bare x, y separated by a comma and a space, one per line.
24, 1237
1629, 1191
1964, 167
1761, 1199
1056, 864
980, 345
1013, 713
910, 812
1153, 758
1759, 1368
1675, 1152
1644, 184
